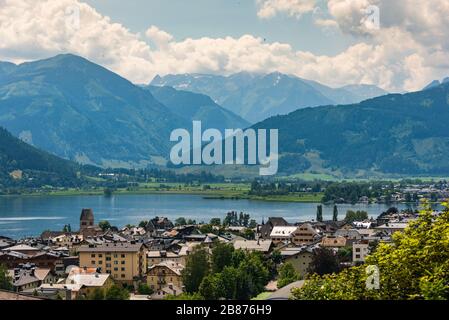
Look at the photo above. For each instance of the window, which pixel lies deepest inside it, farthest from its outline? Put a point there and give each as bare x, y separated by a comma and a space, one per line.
123, 269
92, 255
357, 250
108, 265
115, 255
100, 262
123, 276
108, 258
123, 262
115, 262
92, 262
123, 255
357, 256
100, 256
115, 269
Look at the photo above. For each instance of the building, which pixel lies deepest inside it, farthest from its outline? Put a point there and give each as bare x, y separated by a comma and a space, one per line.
83, 281
300, 258
360, 250
266, 228
87, 219
126, 262
165, 274
28, 276
334, 242
263, 246
169, 289
158, 256
305, 234
282, 234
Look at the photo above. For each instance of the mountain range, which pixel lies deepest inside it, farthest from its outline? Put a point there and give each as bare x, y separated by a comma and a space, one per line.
77, 110
393, 134
194, 106
256, 97
18, 159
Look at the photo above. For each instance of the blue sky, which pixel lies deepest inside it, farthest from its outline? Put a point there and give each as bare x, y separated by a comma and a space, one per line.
221, 18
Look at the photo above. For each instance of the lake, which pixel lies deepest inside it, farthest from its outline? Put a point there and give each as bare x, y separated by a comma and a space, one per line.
28, 216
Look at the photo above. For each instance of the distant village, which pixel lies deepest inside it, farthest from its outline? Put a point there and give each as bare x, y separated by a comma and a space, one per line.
70, 265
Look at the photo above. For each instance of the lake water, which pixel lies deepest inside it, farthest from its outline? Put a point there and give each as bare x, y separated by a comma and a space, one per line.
29, 216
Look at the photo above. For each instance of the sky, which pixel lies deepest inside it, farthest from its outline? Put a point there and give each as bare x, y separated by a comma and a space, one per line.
398, 45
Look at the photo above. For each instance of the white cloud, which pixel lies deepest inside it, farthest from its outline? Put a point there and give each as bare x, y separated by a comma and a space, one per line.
270, 8
405, 54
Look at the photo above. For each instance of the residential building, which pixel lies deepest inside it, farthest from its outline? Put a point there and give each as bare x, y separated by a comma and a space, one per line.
126, 262
360, 250
28, 276
163, 274
305, 234
264, 246
266, 228
334, 242
300, 258
282, 234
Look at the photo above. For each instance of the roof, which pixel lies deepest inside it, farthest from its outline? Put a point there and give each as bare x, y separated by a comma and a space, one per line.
7, 295
282, 231
112, 247
173, 266
333, 241
285, 292
22, 247
88, 280
253, 245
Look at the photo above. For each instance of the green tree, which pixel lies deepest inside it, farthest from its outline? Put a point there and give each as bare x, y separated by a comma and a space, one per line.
335, 215
181, 221
96, 294
319, 213
108, 192
5, 279
221, 256
324, 261
211, 287
215, 222
414, 266
358, 215
104, 225
197, 267
287, 275
116, 292
145, 289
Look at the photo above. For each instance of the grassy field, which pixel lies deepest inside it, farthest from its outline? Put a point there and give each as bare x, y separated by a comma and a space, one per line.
208, 191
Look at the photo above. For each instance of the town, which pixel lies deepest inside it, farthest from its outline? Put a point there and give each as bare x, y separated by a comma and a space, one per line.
162, 259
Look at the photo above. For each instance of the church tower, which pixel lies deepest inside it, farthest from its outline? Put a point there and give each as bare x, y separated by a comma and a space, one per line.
86, 219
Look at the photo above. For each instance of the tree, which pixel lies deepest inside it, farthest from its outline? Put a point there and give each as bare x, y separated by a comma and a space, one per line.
414, 266
108, 192
67, 228
181, 221
116, 292
145, 289
221, 256
324, 261
211, 287
197, 267
143, 224
287, 275
5, 279
276, 256
96, 294
319, 213
104, 225
206, 228
335, 216
215, 222
358, 215
249, 234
